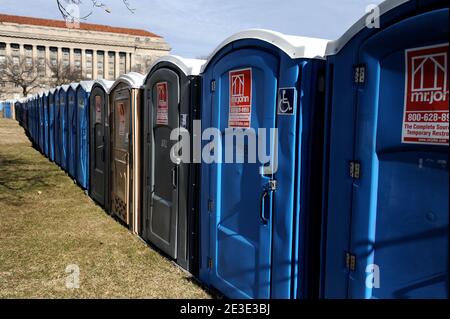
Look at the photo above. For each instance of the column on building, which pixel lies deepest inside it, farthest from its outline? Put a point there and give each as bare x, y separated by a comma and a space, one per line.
48, 72
117, 64
71, 58
83, 64
94, 65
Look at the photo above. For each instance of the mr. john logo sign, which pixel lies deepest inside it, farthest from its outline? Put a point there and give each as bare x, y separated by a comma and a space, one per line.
240, 112
425, 118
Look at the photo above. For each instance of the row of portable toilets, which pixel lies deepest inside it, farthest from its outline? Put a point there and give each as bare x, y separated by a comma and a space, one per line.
351, 203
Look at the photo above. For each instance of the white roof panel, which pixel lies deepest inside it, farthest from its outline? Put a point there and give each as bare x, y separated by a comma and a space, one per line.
133, 79
105, 84
335, 46
294, 46
87, 85
188, 66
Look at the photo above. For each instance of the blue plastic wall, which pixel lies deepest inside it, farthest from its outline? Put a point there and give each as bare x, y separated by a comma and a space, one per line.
82, 138
386, 230
249, 234
71, 131
63, 129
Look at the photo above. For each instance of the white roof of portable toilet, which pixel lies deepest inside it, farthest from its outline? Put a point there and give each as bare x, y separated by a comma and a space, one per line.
87, 85
74, 85
188, 66
105, 84
64, 87
335, 46
133, 79
51, 91
294, 46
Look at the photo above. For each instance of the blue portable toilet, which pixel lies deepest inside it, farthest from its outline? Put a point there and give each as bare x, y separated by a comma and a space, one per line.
33, 119
46, 123
386, 190
64, 127
40, 106
51, 124
250, 212
57, 126
82, 133
71, 129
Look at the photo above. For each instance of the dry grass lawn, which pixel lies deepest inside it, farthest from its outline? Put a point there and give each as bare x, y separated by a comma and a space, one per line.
47, 223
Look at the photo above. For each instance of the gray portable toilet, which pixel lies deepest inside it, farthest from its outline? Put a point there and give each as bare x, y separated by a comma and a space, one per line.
99, 145
170, 193
125, 99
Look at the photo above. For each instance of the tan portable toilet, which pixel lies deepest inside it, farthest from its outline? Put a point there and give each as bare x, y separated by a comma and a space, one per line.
125, 100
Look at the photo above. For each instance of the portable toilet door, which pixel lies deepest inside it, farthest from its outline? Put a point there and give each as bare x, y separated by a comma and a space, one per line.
250, 208
33, 120
40, 104
51, 124
170, 193
46, 123
71, 129
125, 98
64, 127
99, 143
7, 110
57, 126
386, 230
82, 134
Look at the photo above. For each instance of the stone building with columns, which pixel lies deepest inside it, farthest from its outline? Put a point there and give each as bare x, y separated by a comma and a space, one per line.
98, 51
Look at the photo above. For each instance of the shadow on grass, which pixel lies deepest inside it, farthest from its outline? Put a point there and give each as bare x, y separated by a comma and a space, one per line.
21, 175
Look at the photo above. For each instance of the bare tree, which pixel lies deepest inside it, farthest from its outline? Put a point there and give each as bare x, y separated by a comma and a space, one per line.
65, 8
63, 74
21, 71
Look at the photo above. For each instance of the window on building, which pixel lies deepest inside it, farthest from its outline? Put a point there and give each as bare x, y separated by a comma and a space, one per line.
15, 53
89, 64
41, 60
65, 56
100, 64
53, 56
111, 65
2, 54
122, 63
28, 53
77, 59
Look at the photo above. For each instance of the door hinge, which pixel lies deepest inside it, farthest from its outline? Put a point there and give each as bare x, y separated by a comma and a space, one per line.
148, 137
148, 180
360, 74
350, 261
210, 205
355, 169
213, 85
210, 263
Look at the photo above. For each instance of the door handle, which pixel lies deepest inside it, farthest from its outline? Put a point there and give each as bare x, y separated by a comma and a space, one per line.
174, 177
262, 207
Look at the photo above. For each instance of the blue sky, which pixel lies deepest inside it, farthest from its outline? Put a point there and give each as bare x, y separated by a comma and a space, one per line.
194, 28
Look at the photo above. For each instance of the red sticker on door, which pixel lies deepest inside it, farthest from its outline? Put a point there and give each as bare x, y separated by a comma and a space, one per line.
121, 109
425, 115
240, 111
162, 104
98, 111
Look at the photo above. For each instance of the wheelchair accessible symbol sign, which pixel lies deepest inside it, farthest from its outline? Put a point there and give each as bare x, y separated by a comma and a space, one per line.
287, 100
